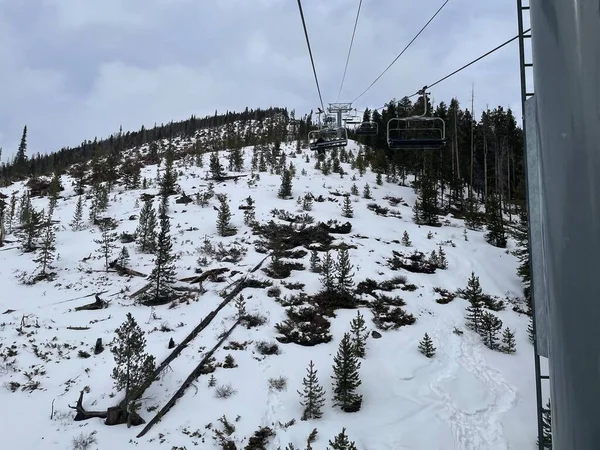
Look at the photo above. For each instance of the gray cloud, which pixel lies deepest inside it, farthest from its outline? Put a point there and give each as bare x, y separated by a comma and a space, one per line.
74, 70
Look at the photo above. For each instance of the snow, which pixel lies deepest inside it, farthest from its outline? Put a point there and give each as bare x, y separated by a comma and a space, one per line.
466, 397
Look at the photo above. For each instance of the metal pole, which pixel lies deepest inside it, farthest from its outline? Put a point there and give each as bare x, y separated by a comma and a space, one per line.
566, 45
536, 357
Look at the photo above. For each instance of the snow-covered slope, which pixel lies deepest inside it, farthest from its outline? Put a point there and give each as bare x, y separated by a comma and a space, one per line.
465, 397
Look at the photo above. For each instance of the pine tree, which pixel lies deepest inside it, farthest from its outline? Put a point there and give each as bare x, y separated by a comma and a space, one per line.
328, 274
442, 260
547, 426
224, 227
425, 208
379, 179
123, 259
426, 346
509, 344
32, 220
522, 254
343, 269
346, 377
285, 190
307, 202
406, 239
342, 442
132, 364
358, 331
45, 255
249, 215
354, 189
240, 306
495, 223
313, 395
474, 294
530, 329
77, 222
347, 210
489, 329
54, 192
20, 162
146, 231
169, 179
367, 192
106, 243
315, 261
215, 168
162, 276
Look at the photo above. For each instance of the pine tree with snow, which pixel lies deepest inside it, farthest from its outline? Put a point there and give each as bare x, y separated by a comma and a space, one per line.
32, 220
406, 239
489, 329
123, 259
215, 167
132, 364
474, 295
426, 346
312, 398
45, 254
106, 243
224, 227
530, 330
547, 427
342, 442
496, 234
347, 210
379, 179
249, 213
146, 231
307, 202
509, 344
522, 254
358, 331
354, 189
168, 181
77, 222
426, 208
285, 190
54, 192
367, 192
346, 379
240, 306
315, 261
442, 260
328, 273
162, 276
343, 269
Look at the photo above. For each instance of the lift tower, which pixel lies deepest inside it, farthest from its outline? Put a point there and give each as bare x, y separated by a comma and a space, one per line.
338, 109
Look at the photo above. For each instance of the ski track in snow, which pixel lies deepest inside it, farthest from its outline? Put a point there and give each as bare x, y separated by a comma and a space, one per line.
481, 429
273, 402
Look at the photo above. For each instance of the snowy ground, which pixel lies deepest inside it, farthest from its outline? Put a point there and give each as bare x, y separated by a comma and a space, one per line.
466, 397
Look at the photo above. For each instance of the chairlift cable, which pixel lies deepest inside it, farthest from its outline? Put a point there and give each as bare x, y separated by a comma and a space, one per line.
404, 50
349, 50
466, 65
312, 61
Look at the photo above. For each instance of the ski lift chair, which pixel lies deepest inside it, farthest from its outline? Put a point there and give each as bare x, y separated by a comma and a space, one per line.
321, 140
367, 129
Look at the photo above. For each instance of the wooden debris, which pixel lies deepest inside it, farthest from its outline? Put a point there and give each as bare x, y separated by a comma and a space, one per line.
98, 304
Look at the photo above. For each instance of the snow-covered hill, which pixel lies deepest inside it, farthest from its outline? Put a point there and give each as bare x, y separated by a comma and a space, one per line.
465, 397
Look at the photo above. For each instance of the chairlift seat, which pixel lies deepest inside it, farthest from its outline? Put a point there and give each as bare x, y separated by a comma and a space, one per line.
410, 144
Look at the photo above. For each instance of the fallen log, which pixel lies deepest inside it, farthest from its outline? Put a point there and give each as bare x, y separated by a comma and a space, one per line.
78, 328
98, 304
212, 274
122, 270
82, 414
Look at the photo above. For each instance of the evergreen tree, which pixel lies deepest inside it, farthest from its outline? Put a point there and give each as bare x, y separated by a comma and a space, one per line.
522, 254
379, 179
285, 190
489, 329
474, 294
547, 427
354, 189
77, 222
313, 395
249, 215
106, 242
495, 223
45, 256
472, 218
32, 220
132, 364
224, 227
426, 346
240, 306
123, 259
315, 261
347, 210
20, 162
162, 276
442, 260
530, 330
215, 167
307, 202
343, 270
342, 442
346, 377
54, 192
425, 208
509, 344
358, 331
406, 239
169, 179
146, 231
367, 192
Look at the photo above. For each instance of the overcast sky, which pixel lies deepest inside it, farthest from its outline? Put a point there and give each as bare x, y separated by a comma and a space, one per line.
75, 69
